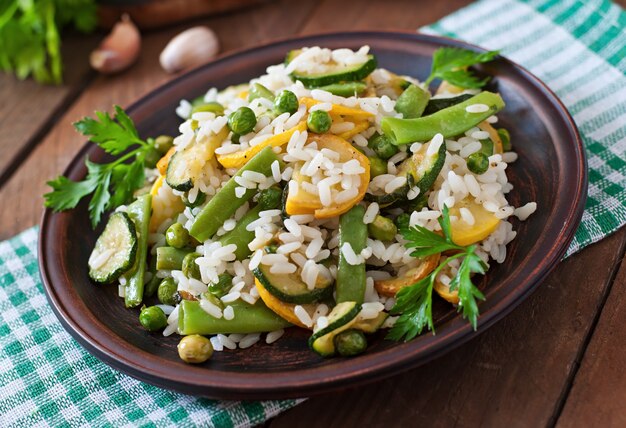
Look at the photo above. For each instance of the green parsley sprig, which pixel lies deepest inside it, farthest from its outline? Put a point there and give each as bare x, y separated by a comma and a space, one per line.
414, 303
112, 184
29, 35
451, 65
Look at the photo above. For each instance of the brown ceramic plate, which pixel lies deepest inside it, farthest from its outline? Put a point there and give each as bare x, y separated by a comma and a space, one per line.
551, 171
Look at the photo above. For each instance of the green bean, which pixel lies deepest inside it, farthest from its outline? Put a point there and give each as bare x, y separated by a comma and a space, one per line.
240, 236
478, 163
351, 278
139, 211
211, 107
168, 292
190, 268
350, 342
377, 166
259, 91
225, 202
345, 89
286, 102
382, 228
152, 318
242, 120
319, 121
177, 236
195, 349
151, 286
412, 102
170, 258
192, 319
382, 145
449, 122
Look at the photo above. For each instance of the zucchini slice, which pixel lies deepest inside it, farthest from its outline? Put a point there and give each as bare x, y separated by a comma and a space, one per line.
115, 249
290, 288
424, 168
370, 325
340, 318
335, 73
436, 104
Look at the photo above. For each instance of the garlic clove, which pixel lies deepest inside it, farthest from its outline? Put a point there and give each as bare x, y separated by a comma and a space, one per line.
190, 48
119, 50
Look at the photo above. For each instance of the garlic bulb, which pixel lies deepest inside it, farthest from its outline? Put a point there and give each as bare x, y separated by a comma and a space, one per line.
119, 50
192, 47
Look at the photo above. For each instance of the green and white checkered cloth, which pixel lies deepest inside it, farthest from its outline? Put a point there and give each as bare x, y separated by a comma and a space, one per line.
578, 48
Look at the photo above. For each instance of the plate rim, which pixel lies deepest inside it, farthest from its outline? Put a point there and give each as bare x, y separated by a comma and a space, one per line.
240, 385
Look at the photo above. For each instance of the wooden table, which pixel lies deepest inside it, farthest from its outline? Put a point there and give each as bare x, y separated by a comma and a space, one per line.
556, 360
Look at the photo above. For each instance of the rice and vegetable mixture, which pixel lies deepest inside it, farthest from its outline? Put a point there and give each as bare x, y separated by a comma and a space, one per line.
327, 194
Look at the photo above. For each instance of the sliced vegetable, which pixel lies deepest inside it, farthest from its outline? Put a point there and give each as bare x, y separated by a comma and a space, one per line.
390, 287
370, 325
192, 319
240, 158
339, 319
485, 223
505, 137
377, 166
444, 292
424, 167
494, 136
333, 73
291, 289
115, 250
186, 165
306, 203
382, 228
412, 102
259, 91
225, 202
449, 122
351, 278
338, 110
139, 212
358, 128
169, 258
284, 310
165, 160
209, 107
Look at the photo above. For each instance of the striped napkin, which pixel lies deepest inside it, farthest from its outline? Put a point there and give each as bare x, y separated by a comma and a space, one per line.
579, 49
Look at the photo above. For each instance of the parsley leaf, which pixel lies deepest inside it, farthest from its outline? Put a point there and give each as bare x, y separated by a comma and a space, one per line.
414, 303
111, 184
451, 65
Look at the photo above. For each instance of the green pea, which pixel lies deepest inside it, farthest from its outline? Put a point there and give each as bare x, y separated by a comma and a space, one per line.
506, 139
286, 102
402, 221
259, 91
478, 163
152, 157
377, 166
163, 143
222, 286
242, 121
167, 293
382, 228
211, 107
200, 199
382, 146
270, 198
195, 349
319, 121
152, 318
350, 343
190, 267
177, 236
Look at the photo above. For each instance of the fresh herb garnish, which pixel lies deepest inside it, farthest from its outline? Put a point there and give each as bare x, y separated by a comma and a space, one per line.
112, 184
29, 35
414, 303
451, 65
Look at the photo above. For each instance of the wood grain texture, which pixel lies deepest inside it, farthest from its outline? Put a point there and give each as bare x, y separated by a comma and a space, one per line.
512, 375
27, 106
598, 391
26, 187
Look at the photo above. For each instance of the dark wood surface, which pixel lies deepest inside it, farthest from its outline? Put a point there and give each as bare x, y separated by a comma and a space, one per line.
557, 359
